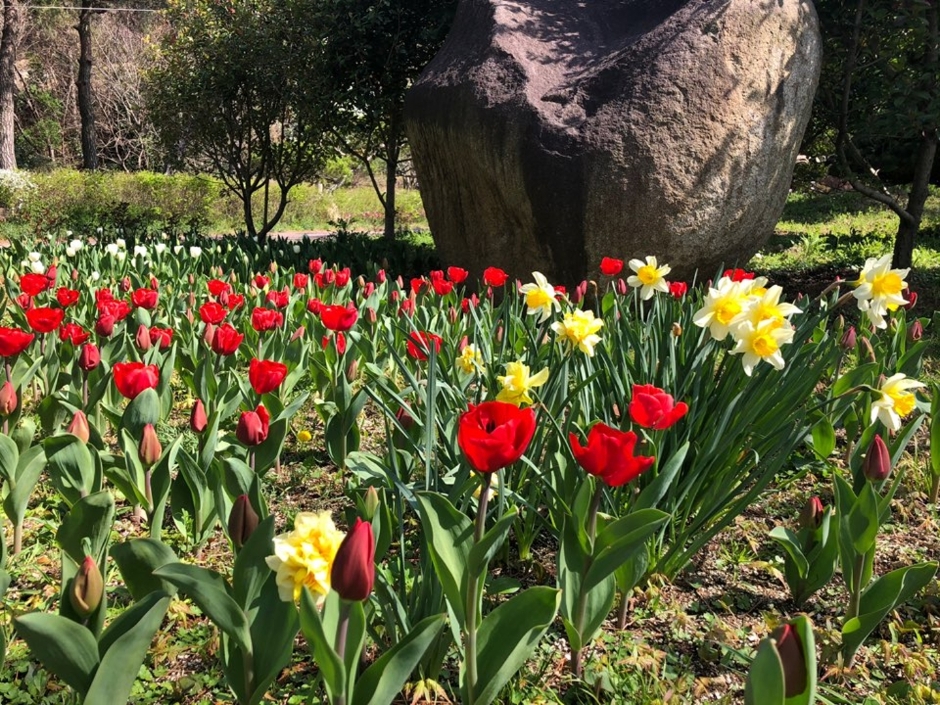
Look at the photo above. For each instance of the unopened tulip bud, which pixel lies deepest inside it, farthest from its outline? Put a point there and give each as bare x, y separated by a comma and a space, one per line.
87, 588
79, 426
371, 503
869, 350
911, 300
353, 572
790, 649
367, 290
192, 299
242, 521
499, 334
149, 449
299, 333
272, 267
90, 357
812, 514
191, 279
676, 329
452, 315
622, 287
849, 338
208, 334
352, 372
405, 419
189, 316
197, 417
361, 281
104, 326
142, 339
915, 331
154, 284
75, 275
371, 315
877, 465
125, 284
8, 399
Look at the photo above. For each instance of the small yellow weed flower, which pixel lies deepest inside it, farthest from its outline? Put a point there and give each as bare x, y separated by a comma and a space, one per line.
580, 328
517, 383
470, 359
304, 436
305, 556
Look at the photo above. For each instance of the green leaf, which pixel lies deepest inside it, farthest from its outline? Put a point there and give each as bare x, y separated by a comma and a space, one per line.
64, 648
9, 457
331, 666
143, 409
508, 636
824, 437
273, 629
935, 428
251, 571
482, 553
71, 466
449, 537
385, 678
791, 544
653, 493
211, 593
91, 518
863, 520
137, 559
804, 628
765, 684
620, 541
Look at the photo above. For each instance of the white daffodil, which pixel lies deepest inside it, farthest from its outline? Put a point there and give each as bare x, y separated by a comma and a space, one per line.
879, 289
649, 277
540, 297
762, 342
765, 307
723, 304
896, 400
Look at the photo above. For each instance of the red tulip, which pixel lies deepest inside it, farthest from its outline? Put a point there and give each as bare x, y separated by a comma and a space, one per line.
217, 287
793, 658
51, 275
44, 320
66, 297
73, 333
145, 298
279, 298
125, 284
142, 339
90, 357
678, 289
261, 281
494, 276
342, 277
314, 266
738, 275
263, 319
33, 284
301, 280
253, 426
495, 434
103, 296
79, 426
442, 287
339, 318
652, 408
131, 378
877, 464
233, 301
25, 302
266, 375
353, 572
162, 337
212, 312
197, 417
87, 588
419, 344
242, 521
104, 326
812, 515
611, 267
609, 455
457, 275
226, 340
8, 399
149, 449
911, 300
115, 308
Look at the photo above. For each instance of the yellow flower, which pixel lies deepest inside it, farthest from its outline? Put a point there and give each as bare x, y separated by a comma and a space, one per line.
763, 305
470, 359
761, 342
540, 297
649, 277
722, 306
517, 383
580, 328
305, 556
896, 401
304, 436
879, 289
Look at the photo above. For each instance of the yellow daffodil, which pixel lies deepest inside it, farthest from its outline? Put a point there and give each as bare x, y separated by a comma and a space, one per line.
305, 556
470, 359
649, 277
516, 384
540, 297
723, 304
896, 400
580, 328
761, 342
763, 305
879, 289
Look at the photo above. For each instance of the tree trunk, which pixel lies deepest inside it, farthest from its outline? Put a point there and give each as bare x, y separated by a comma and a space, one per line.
8, 45
83, 84
391, 177
907, 230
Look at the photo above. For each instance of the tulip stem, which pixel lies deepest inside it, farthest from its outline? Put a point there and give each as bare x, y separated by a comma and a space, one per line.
473, 598
17, 537
622, 612
935, 489
856, 595
342, 630
581, 607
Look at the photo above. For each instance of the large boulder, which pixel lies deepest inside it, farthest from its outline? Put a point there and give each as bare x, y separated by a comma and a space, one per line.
547, 134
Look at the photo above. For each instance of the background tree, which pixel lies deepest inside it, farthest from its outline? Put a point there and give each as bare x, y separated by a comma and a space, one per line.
9, 43
86, 107
363, 56
880, 97
227, 92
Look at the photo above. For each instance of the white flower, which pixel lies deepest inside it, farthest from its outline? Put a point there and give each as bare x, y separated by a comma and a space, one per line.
540, 297
762, 343
37, 267
68, 233
177, 249
76, 245
99, 230
649, 277
112, 249
159, 248
879, 289
95, 276
34, 256
296, 249
120, 243
121, 256
896, 401
69, 252
195, 251
140, 250
722, 305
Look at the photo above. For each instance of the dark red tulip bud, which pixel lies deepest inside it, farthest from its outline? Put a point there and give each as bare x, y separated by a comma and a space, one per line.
877, 465
405, 419
354, 566
849, 338
125, 284
143, 338
915, 331
8, 399
299, 333
253, 426
911, 300
790, 649
371, 315
90, 357
242, 521
812, 514
149, 449
197, 417
104, 326
79, 426
87, 588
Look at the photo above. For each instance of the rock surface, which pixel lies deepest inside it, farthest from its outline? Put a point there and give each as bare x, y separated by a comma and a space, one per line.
548, 134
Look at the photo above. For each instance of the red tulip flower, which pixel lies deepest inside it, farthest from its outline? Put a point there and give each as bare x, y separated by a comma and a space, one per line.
13, 341
233, 301
261, 281
132, 378
279, 298
226, 340
495, 434
33, 284
212, 312
103, 296
266, 375
342, 277
611, 267
652, 408
25, 302
494, 276
314, 266
66, 297
339, 318
73, 333
145, 298
353, 572
8, 399
457, 275
104, 326
738, 275
44, 320
678, 289
609, 455
253, 426
301, 280
419, 344
115, 308
162, 337
217, 287
90, 357
442, 287
263, 319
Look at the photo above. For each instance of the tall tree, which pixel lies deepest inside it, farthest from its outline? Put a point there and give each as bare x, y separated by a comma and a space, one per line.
9, 41
86, 108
